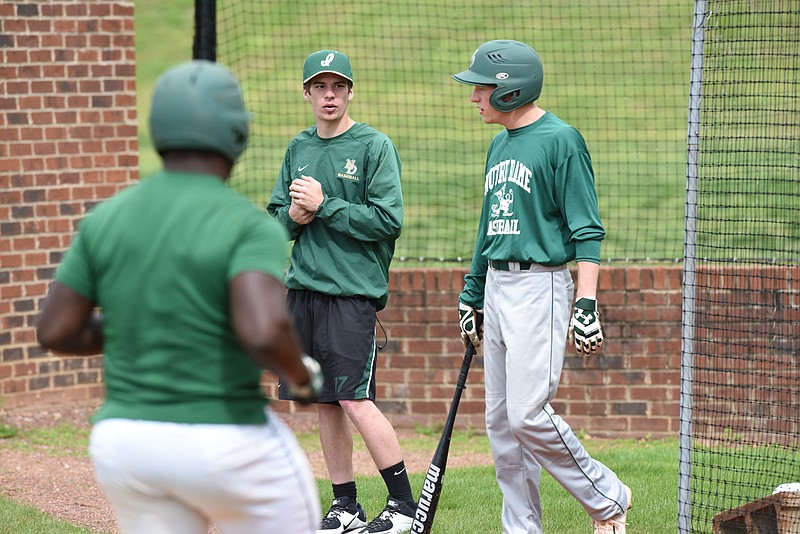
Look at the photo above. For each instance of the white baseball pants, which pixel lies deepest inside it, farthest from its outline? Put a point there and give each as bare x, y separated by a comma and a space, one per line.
526, 317
174, 478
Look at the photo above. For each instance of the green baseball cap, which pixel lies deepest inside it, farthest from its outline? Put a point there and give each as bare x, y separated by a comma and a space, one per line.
327, 61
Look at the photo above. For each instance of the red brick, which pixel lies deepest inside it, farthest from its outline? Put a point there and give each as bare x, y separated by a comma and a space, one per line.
86, 154
647, 425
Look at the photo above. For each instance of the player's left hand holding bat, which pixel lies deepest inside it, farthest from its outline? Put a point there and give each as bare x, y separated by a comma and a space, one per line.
470, 320
584, 327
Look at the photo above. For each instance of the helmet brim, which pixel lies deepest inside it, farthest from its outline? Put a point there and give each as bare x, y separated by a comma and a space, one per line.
470, 78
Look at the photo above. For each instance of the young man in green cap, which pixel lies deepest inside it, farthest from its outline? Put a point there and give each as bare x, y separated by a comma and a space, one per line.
339, 196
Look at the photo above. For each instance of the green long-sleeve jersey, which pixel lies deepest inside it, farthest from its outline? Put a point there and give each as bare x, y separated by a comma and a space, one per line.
347, 249
539, 202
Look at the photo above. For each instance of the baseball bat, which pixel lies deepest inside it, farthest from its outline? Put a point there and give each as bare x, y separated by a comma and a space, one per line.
434, 478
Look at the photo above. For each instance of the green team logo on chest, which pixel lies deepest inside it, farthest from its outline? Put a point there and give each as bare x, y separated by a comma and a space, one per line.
350, 170
501, 219
501, 216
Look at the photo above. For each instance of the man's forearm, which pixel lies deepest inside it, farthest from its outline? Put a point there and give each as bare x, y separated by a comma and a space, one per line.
588, 273
87, 341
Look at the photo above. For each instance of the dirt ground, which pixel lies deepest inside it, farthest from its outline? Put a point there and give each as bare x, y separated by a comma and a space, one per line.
65, 487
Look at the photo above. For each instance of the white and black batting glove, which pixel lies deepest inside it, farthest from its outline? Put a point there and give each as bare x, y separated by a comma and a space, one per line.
470, 321
584, 327
308, 393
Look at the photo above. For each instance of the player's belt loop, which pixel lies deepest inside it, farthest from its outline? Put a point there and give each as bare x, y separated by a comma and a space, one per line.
513, 266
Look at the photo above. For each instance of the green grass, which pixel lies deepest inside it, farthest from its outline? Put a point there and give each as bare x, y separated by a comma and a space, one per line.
622, 82
618, 71
19, 519
56, 440
648, 466
163, 35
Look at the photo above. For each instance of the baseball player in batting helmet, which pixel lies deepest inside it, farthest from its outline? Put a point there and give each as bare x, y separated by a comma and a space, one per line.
539, 214
177, 281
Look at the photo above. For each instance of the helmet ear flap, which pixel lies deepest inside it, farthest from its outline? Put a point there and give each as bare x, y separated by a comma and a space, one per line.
505, 98
514, 68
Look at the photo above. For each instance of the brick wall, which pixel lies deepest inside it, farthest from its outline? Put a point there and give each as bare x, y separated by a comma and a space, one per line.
68, 138
632, 389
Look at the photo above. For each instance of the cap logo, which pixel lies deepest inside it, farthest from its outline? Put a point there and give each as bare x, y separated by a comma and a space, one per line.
501, 75
328, 60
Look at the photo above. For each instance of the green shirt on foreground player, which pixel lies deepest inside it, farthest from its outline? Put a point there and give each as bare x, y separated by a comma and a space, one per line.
177, 282
160, 256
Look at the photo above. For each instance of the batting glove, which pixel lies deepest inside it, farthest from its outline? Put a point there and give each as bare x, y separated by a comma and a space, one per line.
308, 393
584, 328
470, 321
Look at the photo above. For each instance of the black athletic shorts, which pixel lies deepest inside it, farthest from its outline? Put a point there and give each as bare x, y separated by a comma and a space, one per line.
338, 332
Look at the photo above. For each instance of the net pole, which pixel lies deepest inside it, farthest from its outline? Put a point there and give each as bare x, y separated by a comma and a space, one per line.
690, 242
205, 30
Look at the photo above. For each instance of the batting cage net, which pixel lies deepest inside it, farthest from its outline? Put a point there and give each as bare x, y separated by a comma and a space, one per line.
740, 413
616, 70
627, 74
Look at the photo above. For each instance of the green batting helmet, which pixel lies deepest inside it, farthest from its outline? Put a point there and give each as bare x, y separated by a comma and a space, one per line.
199, 105
514, 68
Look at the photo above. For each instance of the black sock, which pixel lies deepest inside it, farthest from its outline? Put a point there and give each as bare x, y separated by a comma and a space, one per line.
348, 489
396, 479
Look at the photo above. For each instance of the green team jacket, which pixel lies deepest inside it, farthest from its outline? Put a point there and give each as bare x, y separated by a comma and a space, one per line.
347, 249
539, 202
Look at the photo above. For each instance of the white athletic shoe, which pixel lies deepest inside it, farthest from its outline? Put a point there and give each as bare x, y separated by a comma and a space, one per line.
344, 515
615, 525
396, 518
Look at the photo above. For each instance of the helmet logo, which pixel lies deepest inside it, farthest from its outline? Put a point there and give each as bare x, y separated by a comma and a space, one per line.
501, 75
327, 61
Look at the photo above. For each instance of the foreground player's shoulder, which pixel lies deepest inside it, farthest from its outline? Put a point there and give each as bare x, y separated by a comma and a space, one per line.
250, 224
102, 214
260, 244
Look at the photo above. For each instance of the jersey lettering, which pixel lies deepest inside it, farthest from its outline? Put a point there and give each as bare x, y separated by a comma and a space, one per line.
503, 226
509, 170
502, 174
350, 170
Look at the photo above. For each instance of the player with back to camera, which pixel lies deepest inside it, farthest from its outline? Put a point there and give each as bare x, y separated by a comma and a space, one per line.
539, 213
338, 193
177, 280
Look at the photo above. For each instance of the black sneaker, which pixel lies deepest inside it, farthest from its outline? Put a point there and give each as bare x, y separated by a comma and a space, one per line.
396, 518
344, 516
